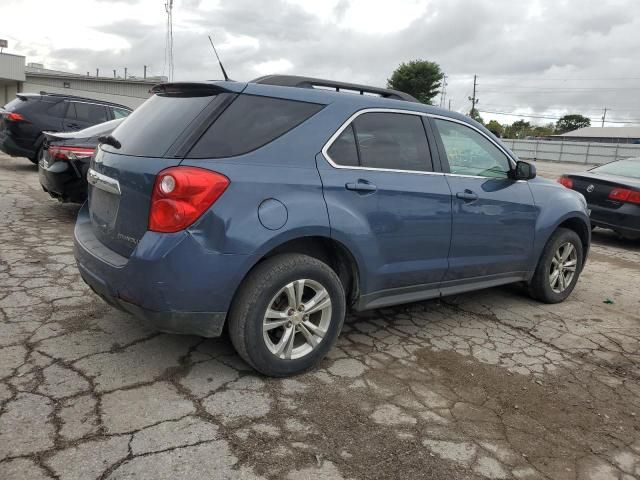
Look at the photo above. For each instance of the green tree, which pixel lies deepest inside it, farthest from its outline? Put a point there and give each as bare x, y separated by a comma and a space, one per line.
476, 116
419, 78
544, 130
518, 129
495, 128
571, 122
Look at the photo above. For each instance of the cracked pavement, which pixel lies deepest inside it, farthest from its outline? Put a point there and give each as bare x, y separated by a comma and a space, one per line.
484, 385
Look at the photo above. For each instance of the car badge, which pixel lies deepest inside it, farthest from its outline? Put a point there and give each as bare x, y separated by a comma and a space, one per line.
591, 188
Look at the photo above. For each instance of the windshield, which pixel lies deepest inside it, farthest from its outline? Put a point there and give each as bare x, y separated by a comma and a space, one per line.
629, 167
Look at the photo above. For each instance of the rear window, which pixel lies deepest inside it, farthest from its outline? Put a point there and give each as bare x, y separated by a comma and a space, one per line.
249, 123
624, 168
11, 106
153, 127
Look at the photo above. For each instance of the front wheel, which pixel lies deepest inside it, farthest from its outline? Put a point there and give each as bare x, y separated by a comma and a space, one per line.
287, 315
558, 268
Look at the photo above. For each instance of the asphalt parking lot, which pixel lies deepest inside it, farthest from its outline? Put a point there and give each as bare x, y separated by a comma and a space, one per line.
484, 385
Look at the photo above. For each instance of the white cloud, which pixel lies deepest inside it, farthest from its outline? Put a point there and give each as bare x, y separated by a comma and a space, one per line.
542, 57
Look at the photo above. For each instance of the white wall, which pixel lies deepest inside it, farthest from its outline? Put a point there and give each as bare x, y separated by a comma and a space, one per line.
571, 152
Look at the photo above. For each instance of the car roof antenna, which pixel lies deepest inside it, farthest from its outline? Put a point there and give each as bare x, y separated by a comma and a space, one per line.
224, 73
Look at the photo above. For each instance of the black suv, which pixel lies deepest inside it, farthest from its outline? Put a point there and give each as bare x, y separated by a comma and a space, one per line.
23, 120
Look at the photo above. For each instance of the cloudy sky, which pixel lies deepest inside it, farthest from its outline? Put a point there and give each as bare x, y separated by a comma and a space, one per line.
541, 58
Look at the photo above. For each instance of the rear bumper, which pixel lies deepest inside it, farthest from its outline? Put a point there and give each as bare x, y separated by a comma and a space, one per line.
625, 220
10, 147
170, 281
66, 181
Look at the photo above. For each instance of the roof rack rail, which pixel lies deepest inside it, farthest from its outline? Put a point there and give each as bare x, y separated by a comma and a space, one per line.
75, 97
308, 82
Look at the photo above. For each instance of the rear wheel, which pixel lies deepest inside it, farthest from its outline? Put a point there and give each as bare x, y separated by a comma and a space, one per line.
36, 158
558, 268
287, 315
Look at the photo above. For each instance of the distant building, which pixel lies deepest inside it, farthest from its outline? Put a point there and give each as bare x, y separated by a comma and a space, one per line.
602, 135
16, 77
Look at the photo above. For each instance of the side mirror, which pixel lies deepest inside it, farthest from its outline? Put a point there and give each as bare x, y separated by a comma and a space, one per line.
524, 171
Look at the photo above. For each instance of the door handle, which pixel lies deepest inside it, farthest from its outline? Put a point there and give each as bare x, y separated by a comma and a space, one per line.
467, 195
361, 186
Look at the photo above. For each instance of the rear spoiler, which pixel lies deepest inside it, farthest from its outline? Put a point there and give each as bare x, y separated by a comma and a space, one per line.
188, 89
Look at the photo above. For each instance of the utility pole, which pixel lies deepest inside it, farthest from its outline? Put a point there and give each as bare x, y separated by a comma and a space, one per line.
114, 73
449, 104
604, 116
145, 71
97, 72
125, 73
474, 100
443, 94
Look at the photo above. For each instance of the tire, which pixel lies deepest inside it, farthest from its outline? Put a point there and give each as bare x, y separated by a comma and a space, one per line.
36, 158
541, 287
266, 288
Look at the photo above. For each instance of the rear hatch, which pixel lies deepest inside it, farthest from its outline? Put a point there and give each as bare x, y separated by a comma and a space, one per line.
154, 137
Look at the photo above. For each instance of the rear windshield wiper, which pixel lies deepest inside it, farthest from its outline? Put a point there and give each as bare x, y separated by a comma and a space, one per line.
109, 140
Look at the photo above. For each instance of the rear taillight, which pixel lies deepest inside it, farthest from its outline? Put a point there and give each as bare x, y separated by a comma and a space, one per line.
181, 195
624, 195
14, 117
566, 181
70, 153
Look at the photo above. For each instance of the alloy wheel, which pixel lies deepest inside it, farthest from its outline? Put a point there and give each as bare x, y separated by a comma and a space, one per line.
563, 267
297, 319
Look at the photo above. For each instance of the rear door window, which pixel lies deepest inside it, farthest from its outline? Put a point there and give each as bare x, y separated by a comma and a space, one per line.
249, 123
380, 140
91, 113
343, 150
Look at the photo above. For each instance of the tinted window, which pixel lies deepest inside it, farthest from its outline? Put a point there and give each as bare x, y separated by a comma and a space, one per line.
100, 129
251, 122
120, 112
625, 168
153, 127
90, 113
392, 140
58, 109
343, 150
13, 104
470, 153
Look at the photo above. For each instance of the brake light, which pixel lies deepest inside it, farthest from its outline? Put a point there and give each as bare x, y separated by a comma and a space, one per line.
181, 195
70, 153
624, 195
566, 181
14, 117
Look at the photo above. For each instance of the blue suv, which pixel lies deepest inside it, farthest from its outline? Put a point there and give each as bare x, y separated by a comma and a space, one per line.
275, 206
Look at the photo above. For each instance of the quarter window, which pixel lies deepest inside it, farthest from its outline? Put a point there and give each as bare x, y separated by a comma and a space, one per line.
470, 153
120, 112
249, 123
394, 141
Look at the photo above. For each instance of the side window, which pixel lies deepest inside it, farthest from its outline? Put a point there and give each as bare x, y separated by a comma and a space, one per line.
392, 140
343, 150
90, 113
249, 123
120, 112
58, 110
470, 153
